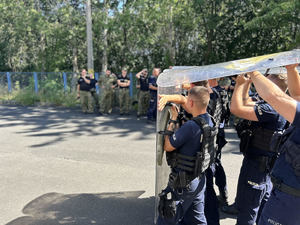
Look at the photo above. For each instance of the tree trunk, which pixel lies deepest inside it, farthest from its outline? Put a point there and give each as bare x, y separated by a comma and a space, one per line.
89, 35
105, 44
170, 40
75, 68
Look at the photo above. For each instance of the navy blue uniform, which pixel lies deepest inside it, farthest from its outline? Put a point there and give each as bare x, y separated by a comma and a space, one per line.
190, 200
215, 170
284, 208
151, 115
85, 86
254, 184
219, 172
143, 81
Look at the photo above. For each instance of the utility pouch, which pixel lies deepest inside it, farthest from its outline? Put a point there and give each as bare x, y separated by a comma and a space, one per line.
166, 207
276, 141
245, 137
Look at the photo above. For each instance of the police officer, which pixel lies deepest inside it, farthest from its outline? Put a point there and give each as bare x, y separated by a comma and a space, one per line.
218, 108
124, 98
151, 114
186, 186
83, 91
107, 83
94, 93
144, 97
254, 184
283, 206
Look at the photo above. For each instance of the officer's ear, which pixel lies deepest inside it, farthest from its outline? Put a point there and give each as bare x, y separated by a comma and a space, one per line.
190, 102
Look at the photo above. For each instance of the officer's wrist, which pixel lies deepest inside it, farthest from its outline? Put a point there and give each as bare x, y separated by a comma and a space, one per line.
173, 120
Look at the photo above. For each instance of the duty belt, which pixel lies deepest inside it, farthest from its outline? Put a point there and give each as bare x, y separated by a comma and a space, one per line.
284, 188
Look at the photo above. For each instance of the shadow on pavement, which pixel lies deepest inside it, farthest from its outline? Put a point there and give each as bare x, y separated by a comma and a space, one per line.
61, 123
123, 208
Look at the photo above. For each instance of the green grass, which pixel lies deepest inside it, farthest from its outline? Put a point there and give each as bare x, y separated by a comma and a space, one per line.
27, 97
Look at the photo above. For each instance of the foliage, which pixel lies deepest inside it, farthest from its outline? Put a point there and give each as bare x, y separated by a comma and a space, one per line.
41, 35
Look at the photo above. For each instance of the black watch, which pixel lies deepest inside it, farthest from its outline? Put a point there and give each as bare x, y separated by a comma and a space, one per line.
172, 121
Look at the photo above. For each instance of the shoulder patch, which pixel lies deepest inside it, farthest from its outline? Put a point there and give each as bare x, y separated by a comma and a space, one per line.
174, 137
259, 110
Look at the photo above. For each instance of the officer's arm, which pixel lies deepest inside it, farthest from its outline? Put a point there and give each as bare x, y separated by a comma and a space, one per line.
120, 83
115, 83
293, 81
128, 83
164, 99
246, 98
138, 75
271, 93
168, 147
152, 87
86, 80
237, 106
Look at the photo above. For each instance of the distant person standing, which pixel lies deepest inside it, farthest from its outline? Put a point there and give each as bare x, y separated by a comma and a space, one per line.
107, 83
124, 98
94, 93
144, 96
83, 92
151, 115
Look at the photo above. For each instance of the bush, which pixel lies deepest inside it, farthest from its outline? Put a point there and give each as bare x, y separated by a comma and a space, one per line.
25, 97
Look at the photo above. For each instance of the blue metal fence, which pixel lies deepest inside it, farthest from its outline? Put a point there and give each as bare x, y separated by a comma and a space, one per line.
11, 81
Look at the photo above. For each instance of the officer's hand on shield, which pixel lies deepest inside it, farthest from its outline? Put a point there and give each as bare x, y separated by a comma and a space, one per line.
241, 79
186, 86
163, 100
292, 66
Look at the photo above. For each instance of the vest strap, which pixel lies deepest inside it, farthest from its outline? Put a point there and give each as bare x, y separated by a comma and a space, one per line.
284, 188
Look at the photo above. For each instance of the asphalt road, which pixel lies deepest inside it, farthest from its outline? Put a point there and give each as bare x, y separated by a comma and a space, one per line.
59, 166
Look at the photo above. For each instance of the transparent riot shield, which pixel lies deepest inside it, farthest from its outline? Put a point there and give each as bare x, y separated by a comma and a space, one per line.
162, 169
188, 74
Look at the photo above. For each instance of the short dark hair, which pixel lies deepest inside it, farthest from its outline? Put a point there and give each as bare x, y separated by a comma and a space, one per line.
200, 95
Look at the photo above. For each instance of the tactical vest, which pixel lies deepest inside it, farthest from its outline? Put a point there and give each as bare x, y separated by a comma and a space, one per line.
282, 143
186, 168
218, 108
254, 136
144, 83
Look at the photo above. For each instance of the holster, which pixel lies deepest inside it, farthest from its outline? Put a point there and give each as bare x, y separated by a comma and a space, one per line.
179, 180
166, 207
265, 163
245, 137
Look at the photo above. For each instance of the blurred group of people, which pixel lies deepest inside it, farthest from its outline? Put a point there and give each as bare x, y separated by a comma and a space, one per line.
114, 89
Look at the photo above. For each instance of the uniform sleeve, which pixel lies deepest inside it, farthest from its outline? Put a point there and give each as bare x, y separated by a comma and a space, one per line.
115, 79
152, 81
100, 81
93, 82
296, 121
79, 81
265, 113
182, 135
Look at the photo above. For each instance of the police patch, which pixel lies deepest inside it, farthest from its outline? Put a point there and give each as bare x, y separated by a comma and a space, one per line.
259, 110
174, 137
